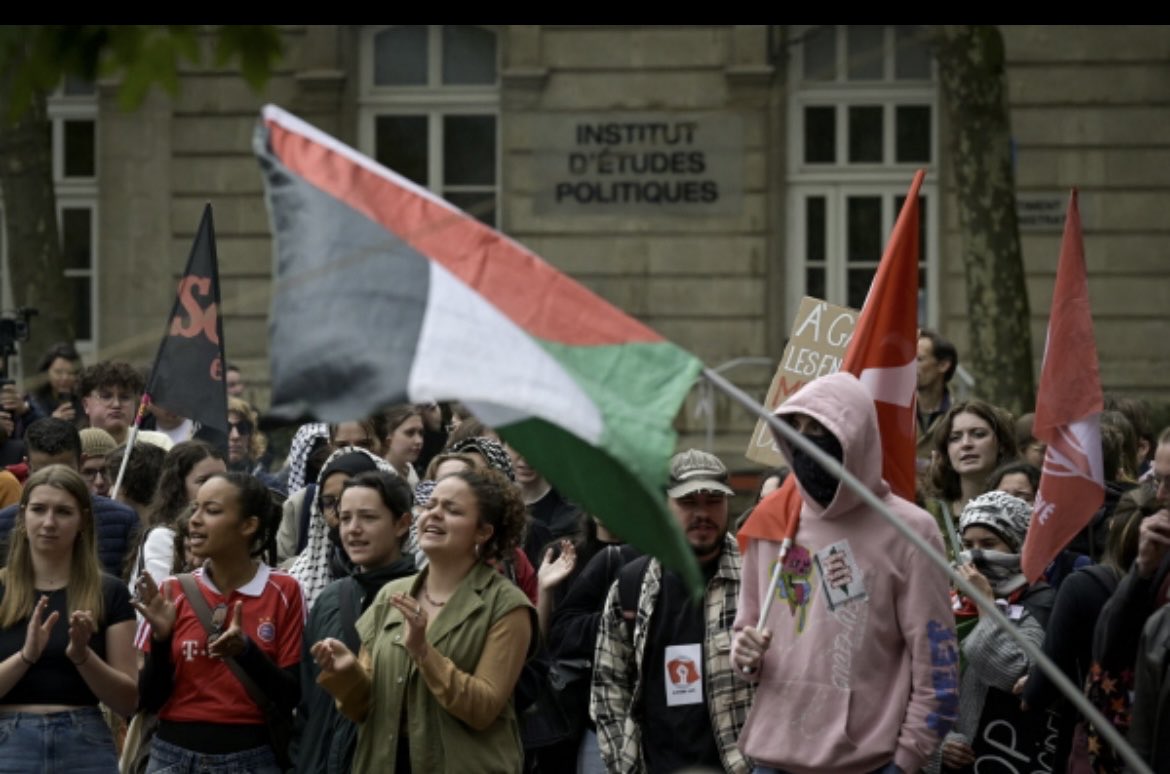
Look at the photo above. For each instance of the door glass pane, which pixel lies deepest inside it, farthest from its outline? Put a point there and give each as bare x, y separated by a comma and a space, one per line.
400, 143
814, 282
864, 230
79, 148
469, 55
469, 150
80, 288
820, 53
859, 280
814, 228
77, 238
912, 133
820, 135
480, 205
865, 135
400, 56
864, 52
912, 54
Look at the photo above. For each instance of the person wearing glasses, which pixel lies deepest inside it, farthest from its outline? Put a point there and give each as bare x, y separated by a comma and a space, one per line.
109, 395
324, 559
246, 445
96, 445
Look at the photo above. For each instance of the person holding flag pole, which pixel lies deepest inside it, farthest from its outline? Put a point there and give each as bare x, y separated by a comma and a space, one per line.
824, 701
187, 378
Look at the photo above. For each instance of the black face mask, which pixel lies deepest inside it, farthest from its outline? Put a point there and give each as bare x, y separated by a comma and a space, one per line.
820, 484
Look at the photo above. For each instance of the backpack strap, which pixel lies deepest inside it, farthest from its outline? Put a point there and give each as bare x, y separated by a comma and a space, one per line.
348, 605
630, 585
203, 612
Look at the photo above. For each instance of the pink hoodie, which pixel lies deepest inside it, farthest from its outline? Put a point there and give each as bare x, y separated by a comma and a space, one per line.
861, 670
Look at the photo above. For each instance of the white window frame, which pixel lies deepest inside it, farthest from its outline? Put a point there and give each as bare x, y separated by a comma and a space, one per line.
841, 179
433, 100
78, 193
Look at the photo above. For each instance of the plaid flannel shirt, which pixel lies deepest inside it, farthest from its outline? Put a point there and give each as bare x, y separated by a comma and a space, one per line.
617, 670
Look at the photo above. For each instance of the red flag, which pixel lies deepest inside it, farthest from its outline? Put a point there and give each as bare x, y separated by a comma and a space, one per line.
1068, 411
882, 354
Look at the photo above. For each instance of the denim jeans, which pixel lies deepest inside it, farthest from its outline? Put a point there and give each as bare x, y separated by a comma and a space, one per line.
589, 756
74, 742
166, 758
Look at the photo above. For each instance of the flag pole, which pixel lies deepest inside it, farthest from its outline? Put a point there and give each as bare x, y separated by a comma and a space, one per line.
143, 405
986, 606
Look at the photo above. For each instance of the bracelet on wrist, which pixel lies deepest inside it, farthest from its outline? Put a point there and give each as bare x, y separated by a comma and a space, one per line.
83, 659
25, 658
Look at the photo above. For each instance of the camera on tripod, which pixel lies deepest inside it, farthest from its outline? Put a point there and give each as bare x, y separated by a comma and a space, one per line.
14, 328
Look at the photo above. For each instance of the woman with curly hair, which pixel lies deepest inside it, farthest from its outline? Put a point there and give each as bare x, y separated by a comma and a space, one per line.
441, 652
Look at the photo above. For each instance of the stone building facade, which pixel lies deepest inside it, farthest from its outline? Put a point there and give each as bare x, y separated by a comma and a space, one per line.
703, 178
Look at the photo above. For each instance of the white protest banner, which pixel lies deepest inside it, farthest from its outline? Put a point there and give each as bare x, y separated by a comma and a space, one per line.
820, 334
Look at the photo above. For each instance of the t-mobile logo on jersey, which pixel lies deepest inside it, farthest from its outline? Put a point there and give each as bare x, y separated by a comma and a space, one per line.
191, 649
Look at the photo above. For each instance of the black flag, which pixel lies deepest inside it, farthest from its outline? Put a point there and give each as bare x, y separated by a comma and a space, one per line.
188, 374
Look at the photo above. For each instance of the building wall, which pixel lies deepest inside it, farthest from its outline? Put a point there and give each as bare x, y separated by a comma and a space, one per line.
1089, 107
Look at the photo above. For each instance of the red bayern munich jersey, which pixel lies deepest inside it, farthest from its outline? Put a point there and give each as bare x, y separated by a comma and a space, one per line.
205, 689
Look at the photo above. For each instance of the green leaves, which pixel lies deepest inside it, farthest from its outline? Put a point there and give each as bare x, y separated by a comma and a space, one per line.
138, 56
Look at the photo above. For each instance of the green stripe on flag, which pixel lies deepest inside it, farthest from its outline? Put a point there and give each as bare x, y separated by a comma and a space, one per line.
605, 487
638, 388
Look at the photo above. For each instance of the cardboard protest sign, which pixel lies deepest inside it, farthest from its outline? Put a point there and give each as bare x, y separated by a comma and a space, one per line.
820, 335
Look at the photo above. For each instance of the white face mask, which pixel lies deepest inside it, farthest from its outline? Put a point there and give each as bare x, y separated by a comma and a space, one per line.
1001, 570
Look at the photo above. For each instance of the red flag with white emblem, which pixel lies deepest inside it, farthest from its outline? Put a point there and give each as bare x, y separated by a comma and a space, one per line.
1068, 411
882, 354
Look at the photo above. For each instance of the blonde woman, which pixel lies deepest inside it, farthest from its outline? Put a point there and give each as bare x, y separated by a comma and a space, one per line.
66, 635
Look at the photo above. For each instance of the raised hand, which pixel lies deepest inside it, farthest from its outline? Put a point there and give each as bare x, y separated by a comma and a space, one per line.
553, 572
232, 641
415, 639
81, 629
331, 656
158, 611
36, 637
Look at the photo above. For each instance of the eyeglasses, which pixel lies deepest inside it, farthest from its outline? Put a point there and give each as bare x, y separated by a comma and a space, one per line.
107, 398
243, 427
329, 503
91, 475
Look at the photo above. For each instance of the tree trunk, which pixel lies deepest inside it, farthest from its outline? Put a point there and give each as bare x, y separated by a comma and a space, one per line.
36, 266
974, 91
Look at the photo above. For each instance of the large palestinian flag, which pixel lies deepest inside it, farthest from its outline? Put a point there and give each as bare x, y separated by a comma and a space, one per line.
384, 293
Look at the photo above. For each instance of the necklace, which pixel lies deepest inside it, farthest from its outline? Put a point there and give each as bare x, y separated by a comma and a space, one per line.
431, 601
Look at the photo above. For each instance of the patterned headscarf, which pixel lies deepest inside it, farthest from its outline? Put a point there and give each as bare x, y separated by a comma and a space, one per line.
492, 451
1004, 514
312, 566
300, 449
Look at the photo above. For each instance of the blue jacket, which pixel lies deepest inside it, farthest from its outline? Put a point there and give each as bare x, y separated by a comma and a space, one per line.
117, 527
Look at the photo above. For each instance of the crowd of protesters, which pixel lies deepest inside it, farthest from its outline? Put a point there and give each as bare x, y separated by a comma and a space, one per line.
406, 592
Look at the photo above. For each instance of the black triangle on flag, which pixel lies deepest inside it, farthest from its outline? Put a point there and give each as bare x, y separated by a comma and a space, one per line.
188, 373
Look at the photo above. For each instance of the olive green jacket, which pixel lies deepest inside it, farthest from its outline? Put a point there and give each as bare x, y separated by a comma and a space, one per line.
439, 741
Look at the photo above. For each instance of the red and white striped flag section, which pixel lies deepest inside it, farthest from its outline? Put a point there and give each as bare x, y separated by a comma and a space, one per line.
1068, 412
883, 355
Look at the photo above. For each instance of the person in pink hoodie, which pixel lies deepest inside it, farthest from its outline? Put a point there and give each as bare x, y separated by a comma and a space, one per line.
857, 665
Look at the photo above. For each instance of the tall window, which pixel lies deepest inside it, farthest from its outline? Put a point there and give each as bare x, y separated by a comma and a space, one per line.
863, 117
430, 110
